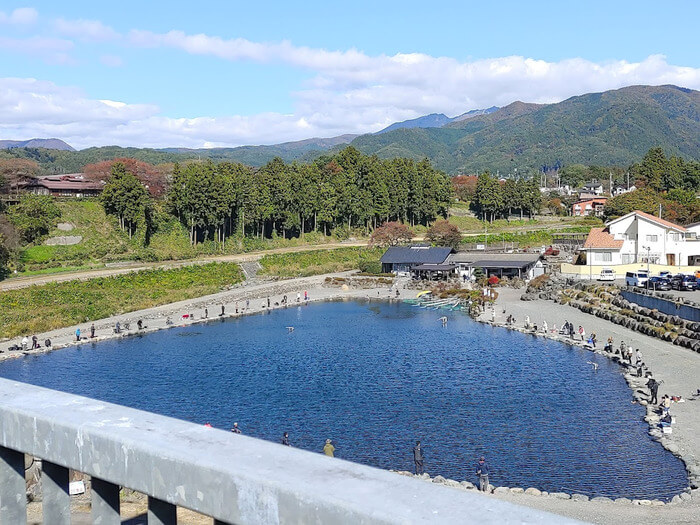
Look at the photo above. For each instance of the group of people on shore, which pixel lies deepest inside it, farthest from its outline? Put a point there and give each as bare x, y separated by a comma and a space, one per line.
119, 327
35, 343
625, 354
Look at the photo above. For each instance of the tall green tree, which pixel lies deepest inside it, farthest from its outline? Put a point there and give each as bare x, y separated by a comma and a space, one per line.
125, 197
34, 216
488, 198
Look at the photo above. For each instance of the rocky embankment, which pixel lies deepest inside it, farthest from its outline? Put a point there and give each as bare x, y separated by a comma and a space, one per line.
607, 303
532, 491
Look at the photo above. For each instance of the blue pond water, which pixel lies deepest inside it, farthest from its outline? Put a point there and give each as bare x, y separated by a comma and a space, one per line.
375, 377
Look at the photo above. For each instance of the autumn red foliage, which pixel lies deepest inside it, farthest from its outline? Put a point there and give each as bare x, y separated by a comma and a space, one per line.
464, 186
391, 234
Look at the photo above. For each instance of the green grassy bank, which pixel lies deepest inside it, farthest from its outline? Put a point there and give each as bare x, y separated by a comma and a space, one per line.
35, 309
316, 262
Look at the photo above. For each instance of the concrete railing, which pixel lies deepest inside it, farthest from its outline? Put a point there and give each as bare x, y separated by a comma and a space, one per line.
232, 478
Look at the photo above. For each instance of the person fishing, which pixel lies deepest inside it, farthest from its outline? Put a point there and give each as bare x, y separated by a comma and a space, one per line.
653, 386
482, 470
329, 449
418, 458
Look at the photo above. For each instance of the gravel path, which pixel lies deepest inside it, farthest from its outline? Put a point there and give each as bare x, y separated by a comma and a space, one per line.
22, 282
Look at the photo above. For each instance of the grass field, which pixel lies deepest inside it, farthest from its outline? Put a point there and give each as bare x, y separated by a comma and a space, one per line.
35, 309
316, 262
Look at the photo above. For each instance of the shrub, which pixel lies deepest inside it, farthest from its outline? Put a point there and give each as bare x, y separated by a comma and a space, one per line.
370, 266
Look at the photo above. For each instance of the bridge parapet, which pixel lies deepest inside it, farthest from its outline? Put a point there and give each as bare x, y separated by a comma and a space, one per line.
232, 478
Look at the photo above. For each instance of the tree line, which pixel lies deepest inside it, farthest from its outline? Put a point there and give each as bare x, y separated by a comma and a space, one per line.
668, 185
343, 191
494, 198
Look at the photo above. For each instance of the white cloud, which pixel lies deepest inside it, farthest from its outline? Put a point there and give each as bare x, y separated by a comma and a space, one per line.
87, 30
20, 16
415, 83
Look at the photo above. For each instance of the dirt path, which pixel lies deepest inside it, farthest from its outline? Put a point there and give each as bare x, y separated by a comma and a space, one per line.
22, 282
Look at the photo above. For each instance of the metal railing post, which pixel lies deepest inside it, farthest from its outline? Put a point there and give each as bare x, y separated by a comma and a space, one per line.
13, 489
161, 512
55, 496
105, 503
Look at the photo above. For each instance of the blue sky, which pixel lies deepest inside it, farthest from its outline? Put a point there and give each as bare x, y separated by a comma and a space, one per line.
231, 73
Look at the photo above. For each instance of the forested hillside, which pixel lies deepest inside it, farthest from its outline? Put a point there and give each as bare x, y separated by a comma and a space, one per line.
610, 128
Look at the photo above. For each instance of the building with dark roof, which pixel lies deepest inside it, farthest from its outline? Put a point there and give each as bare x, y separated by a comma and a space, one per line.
523, 265
401, 259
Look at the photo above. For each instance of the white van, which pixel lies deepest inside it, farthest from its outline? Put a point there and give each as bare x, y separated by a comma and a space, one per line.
637, 278
607, 274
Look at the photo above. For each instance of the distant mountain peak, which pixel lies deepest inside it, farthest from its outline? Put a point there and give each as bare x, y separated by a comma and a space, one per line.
475, 113
435, 120
36, 143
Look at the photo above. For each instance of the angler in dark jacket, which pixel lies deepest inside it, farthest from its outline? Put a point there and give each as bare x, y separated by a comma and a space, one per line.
482, 470
418, 458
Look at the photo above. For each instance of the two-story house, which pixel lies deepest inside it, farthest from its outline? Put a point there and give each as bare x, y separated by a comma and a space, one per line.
593, 188
639, 237
589, 207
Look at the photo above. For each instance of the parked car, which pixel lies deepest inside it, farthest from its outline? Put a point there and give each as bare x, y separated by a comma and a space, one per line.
607, 274
637, 278
684, 282
657, 283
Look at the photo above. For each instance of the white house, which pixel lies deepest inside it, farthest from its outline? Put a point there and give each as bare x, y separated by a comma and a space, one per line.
640, 238
594, 188
620, 190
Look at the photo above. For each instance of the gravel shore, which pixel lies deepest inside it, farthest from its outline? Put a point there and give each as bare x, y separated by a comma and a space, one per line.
677, 367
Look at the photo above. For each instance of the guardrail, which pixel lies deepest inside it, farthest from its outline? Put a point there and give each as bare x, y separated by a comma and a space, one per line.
648, 300
232, 478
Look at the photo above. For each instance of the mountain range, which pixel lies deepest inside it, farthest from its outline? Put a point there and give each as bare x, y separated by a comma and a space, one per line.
614, 127
36, 143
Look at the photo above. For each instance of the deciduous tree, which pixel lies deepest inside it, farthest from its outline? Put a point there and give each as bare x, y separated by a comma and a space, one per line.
444, 233
391, 234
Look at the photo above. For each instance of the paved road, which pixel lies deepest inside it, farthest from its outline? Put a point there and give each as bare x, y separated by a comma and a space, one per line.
22, 282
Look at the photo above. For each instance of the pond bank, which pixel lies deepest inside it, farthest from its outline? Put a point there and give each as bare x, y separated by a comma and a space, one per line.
600, 511
677, 367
